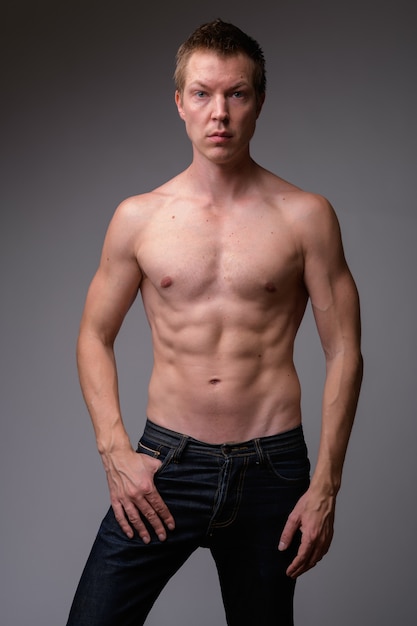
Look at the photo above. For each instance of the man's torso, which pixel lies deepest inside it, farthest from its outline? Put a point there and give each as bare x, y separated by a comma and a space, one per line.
224, 294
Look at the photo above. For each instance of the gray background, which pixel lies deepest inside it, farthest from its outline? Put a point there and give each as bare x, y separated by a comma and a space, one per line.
88, 118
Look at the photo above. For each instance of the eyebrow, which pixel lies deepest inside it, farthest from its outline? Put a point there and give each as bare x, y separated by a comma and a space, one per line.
200, 84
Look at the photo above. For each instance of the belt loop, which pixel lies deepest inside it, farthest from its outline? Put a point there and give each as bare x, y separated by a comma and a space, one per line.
180, 449
259, 451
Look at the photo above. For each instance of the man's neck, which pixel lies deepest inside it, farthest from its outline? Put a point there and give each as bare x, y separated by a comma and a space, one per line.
222, 183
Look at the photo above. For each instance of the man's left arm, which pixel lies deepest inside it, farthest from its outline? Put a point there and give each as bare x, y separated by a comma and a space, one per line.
335, 305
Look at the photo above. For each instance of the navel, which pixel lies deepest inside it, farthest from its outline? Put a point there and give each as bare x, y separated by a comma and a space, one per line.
214, 381
166, 282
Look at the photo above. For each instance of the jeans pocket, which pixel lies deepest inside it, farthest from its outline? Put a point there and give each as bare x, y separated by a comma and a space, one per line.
158, 452
292, 469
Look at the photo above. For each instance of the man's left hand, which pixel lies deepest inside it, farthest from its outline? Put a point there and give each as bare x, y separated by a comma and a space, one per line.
313, 515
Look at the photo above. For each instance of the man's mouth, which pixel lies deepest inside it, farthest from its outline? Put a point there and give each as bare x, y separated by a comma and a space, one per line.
221, 134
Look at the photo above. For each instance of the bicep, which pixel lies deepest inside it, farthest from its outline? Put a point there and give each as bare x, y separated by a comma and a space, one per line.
108, 300
331, 287
114, 286
338, 323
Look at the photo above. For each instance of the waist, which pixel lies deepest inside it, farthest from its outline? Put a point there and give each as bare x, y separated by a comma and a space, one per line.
222, 405
281, 442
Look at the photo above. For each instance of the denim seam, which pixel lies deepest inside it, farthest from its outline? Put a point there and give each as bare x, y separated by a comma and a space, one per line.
239, 490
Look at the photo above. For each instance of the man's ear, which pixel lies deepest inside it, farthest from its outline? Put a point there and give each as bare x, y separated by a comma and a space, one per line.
178, 102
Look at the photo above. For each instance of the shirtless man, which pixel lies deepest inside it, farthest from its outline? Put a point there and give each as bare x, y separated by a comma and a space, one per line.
226, 256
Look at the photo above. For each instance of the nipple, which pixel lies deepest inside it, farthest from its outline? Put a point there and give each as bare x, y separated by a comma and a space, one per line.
270, 287
166, 282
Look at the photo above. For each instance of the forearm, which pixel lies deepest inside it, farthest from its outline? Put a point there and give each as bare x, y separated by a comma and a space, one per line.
340, 398
129, 475
98, 378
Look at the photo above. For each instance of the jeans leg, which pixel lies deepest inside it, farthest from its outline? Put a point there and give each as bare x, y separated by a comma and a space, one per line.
244, 541
255, 588
123, 577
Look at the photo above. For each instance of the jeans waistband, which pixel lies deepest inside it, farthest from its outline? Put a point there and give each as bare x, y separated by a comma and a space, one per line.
282, 442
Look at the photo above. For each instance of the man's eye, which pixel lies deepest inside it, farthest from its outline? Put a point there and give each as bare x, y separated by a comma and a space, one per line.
200, 94
238, 94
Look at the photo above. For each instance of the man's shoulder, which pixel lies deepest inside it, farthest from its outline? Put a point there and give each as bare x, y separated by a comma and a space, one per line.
312, 219
307, 205
141, 205
298, 202
310, 215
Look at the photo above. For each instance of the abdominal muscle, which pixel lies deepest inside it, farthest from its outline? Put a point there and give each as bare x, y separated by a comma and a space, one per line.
224, 380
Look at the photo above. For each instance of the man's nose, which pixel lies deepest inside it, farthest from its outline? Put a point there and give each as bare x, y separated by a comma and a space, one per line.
220, 109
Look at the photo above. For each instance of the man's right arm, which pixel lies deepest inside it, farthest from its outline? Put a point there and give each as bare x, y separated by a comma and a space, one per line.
111, 293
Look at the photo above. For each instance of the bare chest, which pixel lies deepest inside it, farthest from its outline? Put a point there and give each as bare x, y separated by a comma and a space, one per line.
206, 257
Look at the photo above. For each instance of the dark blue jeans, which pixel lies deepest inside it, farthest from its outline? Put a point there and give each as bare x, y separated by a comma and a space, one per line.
233, 499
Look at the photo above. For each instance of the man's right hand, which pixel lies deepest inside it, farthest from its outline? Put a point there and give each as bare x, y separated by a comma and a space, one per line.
134, 496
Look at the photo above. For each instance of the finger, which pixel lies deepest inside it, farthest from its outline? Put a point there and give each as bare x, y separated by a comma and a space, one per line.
161, 510
287, 535
308, 556
135, 519
301, 567
151, 495
121, 519
151, 507
152, 517
127, 516
304, 557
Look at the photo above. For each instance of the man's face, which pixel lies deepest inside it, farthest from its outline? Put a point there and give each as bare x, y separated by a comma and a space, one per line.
219, 105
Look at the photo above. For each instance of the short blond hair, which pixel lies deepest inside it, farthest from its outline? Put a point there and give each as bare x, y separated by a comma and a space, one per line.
226, 40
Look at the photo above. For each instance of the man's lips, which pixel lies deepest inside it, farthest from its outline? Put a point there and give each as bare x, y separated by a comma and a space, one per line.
220, 133
220, 137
